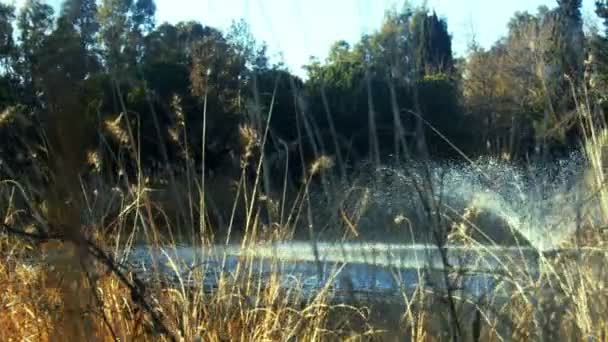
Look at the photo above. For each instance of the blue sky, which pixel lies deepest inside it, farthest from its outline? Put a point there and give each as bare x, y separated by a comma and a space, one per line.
301, 28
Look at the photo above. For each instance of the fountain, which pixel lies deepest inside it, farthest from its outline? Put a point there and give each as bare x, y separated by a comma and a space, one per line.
519, 215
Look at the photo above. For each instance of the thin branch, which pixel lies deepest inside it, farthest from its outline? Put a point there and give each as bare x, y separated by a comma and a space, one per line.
137, 288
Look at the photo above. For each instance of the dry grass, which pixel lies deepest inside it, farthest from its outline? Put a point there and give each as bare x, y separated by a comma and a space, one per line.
32, 305
47, 295
568, 302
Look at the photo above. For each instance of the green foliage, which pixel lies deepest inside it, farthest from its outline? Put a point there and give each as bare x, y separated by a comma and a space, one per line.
247, 48
35, 23
7, 44
81, 14
107, 62
432, 44
438, 98
566, 52
522, 89
123, 26
598, 52
7, 56
402, 68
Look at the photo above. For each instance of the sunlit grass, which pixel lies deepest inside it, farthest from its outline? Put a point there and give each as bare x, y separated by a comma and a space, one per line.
566, 302
50, 293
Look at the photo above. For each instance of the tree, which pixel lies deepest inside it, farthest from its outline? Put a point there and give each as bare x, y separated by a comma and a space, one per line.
35, 23
337, 91
502, 86
123, 26
254, 62
570, 38
432, 44
7, 55
370, 90
501, 91
565, 55
598, 53
142, 22
64, 59
143, 16
7, 44
114, 25
82, 15
518, 90
254, 54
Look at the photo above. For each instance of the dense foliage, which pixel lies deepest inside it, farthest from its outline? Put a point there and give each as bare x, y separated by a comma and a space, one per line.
130, 90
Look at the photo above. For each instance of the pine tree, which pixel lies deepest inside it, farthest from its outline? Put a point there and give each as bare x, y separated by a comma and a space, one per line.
432, 44
7, 53
599, 53
123, 26
563, 58
7, 44
82, 15
569, 38
35, 23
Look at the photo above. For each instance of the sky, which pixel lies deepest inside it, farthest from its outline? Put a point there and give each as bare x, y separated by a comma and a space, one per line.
298, 29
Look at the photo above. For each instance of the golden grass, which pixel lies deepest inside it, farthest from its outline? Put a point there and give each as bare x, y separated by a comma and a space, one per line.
569, 302
32, 305
46, 296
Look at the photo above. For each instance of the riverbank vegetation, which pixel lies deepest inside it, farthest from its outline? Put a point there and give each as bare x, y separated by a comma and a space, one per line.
117, 130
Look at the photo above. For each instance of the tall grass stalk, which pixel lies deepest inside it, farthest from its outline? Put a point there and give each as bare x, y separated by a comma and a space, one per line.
45, 285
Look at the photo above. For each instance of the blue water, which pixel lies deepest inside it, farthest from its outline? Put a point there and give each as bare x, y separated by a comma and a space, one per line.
541, 203
372, 268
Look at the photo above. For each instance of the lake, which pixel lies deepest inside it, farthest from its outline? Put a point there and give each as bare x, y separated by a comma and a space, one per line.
374, 268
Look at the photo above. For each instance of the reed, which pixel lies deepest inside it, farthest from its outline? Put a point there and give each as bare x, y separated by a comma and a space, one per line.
63, 270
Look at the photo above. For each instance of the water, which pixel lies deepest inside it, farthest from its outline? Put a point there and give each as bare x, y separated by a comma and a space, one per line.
372, 268
542, 204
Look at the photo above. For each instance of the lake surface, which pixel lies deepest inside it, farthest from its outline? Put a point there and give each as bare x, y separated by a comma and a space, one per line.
372, 268
540, 205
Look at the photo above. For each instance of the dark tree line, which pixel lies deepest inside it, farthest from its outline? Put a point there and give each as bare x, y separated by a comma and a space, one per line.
170, 94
